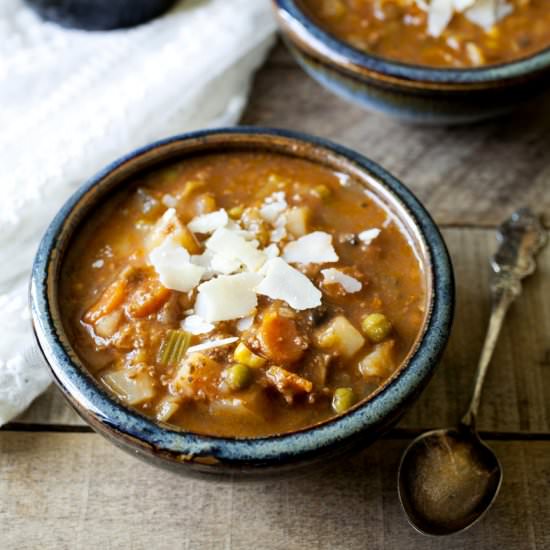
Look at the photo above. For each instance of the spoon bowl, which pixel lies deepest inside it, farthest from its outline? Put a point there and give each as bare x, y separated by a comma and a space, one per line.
447, 480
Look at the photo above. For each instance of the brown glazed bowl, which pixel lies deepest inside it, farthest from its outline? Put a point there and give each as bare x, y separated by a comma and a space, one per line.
185, 452
409, 92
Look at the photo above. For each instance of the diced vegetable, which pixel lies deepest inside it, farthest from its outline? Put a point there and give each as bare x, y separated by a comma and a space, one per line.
376, 326
288, 383
322, 191
112, 298
298, 220
342, 400
166, 409
341, 336
243, 355
237, 376
379, 362
197, 377
107, 325
247, 406
149, 296
174, 347
191, 186
206, 203
236, 212
132, 387
279, 338
188, 240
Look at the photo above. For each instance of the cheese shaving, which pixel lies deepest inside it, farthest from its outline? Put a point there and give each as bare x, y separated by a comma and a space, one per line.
232, 246
484, 13
283, 282
313, 248
167, 225
348, 283
245, 323
196, 325
173, 266
210, 344
227, 297
273, 207
367, 236
208, 223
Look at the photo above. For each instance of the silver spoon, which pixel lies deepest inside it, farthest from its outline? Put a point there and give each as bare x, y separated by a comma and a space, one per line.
449, 478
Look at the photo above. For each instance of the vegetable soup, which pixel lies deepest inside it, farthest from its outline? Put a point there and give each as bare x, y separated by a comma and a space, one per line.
438, 33
242, 294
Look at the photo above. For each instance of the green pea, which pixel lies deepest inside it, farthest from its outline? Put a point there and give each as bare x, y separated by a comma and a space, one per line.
376, 326
342, 400
238, 376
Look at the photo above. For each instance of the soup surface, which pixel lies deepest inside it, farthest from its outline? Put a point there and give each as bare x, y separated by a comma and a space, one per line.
397, 29
242, 294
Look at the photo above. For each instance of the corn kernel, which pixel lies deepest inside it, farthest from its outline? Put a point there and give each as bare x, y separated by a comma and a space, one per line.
321, 191
243, 355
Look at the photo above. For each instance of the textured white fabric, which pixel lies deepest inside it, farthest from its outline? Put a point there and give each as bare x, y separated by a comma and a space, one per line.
72, 101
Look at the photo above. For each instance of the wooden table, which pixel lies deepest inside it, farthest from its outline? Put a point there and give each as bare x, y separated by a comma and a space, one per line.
62, 486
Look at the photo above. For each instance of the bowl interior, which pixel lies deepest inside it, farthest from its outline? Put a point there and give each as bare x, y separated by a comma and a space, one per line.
396, 199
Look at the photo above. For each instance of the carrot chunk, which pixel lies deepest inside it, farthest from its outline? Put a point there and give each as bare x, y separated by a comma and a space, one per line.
279, 338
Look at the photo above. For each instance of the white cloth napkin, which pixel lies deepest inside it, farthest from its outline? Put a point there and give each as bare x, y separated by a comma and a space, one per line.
72, 101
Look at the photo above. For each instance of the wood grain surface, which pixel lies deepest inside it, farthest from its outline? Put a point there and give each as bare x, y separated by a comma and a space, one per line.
63, 487
76, 491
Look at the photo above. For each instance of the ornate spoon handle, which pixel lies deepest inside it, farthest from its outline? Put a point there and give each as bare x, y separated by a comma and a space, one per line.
520, 238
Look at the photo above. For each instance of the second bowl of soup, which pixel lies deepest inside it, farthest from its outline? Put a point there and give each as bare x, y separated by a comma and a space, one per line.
418, 60
242, 300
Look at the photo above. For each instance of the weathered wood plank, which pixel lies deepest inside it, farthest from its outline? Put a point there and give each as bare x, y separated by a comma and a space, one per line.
517, 396
474, 175
76, 491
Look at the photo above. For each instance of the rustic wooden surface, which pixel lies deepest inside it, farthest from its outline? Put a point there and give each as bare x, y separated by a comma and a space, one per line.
62, 486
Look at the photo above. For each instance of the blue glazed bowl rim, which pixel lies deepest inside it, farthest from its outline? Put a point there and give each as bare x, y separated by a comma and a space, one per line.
476, 75
270, 449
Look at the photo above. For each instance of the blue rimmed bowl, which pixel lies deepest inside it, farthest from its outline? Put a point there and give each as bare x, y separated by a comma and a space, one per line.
251, 457
409, 92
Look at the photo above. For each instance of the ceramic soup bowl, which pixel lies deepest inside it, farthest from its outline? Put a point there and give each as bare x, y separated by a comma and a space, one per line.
185, 452
412, 93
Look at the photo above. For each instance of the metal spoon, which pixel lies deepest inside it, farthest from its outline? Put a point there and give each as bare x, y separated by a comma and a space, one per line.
449, 478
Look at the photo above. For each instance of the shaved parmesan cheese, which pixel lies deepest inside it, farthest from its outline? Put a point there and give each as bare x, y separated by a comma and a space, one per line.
279, 233
271, 251
173, 266
168, 225
283, 282
313, 248
204, 260
224, 266
169, 201
212, 344
245, 323
273, 206
348, 283
232, 246
486, 13
440, 13
344, 179
227, 297
196, 325
367, 236
208, 223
